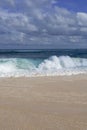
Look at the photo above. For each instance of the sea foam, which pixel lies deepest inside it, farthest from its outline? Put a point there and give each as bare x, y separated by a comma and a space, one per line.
53, 66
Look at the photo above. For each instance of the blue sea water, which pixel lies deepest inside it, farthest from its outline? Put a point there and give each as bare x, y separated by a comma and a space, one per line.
47, 62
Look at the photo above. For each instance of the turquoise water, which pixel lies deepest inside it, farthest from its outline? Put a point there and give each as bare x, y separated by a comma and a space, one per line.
16, 63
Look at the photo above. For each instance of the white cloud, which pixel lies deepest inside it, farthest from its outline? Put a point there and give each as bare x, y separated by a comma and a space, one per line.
82, 18
40, 22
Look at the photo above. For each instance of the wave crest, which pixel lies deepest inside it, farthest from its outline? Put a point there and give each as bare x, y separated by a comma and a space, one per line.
63, 65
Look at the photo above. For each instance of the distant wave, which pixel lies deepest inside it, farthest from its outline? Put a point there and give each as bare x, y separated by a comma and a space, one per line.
53, 66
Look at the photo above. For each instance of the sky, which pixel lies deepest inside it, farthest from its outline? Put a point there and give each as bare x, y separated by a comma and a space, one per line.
33, 24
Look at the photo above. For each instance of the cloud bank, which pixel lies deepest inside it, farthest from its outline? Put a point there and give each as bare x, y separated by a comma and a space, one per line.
35, 22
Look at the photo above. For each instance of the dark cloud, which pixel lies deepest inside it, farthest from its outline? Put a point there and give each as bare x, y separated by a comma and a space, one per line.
41, 22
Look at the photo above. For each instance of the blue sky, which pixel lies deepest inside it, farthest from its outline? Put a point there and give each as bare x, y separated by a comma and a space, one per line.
74, 5
43, 24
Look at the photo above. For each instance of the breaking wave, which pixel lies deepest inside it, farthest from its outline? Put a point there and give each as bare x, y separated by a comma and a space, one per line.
62, 65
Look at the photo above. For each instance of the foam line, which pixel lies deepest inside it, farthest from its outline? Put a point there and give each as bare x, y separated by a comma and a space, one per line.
62, 65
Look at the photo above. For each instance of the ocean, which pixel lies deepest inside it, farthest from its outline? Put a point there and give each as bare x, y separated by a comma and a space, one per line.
42, 62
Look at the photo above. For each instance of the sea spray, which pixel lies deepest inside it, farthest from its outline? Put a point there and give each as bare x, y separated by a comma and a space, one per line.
54, 65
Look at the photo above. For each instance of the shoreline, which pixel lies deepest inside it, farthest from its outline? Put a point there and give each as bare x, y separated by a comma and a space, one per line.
43, 103
43, 76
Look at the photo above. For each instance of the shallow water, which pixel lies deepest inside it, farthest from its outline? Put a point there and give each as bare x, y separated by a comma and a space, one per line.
18, 63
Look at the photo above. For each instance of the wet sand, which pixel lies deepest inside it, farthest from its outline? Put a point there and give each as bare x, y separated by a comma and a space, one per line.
43, 103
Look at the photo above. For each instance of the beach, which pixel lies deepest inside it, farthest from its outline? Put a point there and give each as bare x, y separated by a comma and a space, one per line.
43, 103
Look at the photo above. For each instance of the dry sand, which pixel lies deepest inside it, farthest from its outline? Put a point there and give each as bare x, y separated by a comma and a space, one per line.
43, 103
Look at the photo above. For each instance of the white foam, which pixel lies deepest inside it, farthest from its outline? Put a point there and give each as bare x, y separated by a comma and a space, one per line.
63, 65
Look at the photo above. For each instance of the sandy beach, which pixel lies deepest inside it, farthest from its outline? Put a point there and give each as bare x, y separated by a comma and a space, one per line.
43, 103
